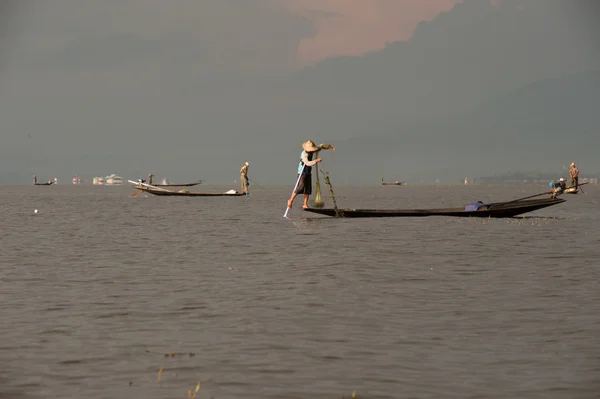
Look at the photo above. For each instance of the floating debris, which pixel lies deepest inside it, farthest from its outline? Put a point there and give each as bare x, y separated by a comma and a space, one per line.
193, 395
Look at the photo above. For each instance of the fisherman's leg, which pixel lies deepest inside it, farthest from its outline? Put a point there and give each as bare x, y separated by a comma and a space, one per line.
307, 190
299, 190
305, 204
291, 200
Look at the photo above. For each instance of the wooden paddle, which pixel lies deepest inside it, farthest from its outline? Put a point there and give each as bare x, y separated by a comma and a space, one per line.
257, 185
531, 196
579, 187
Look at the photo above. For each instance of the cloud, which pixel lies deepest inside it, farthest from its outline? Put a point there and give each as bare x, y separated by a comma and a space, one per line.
344, 27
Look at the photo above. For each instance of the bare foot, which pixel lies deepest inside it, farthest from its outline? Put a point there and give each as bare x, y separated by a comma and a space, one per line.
304, 206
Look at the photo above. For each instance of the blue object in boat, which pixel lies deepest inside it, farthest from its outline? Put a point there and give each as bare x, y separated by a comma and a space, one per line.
474, 206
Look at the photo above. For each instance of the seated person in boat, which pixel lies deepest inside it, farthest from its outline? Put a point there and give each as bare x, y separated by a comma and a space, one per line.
558, 187
574, 175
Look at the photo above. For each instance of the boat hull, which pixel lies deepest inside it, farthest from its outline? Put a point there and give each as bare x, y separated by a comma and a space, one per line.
572, 189
495, 210
187, 193
179, 185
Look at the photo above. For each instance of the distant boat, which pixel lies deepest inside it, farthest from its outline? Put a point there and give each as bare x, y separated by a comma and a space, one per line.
147, 188
48, 183
574, 190
113, 180
393, 183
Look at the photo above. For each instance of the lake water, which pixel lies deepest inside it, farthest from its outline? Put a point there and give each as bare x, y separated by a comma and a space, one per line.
100, 290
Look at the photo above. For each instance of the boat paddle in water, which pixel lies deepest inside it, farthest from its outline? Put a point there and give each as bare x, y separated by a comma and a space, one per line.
287, 209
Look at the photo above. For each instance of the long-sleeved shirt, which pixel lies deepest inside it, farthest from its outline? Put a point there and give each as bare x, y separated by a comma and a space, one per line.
244, 170
307, 160
573, 172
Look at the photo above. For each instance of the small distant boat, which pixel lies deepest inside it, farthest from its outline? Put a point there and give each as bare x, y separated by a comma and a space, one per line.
393, 183
147, 188
574, 190
494, 210
113, 180
569, 189
48, 183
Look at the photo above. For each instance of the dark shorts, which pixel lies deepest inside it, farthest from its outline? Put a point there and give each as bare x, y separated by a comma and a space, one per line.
304, 185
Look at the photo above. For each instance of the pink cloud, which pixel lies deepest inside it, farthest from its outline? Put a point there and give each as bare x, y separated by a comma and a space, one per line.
354, 27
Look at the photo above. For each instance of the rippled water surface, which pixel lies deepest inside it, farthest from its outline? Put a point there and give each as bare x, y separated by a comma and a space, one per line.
100, 290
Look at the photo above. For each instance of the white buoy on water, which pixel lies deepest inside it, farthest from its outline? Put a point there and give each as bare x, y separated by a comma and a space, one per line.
35, 211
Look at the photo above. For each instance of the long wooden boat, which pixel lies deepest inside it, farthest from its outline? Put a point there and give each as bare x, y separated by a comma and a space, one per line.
44, 184
573, 190
392, 183
178, 185
147, 188
495, 210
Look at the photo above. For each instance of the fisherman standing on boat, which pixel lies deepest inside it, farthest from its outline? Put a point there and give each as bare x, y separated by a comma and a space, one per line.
304, 185
150, 176
244, 177
34, 180
574, 176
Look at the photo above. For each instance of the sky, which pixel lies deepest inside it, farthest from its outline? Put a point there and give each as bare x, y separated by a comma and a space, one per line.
191, 89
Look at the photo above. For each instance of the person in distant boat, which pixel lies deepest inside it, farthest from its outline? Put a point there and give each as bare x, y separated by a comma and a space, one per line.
150, 176
304, 185
244, 177
558, 187
34, 179
574, 176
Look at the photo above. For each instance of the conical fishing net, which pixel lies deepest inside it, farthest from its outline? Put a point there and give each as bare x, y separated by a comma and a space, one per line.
318, 201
